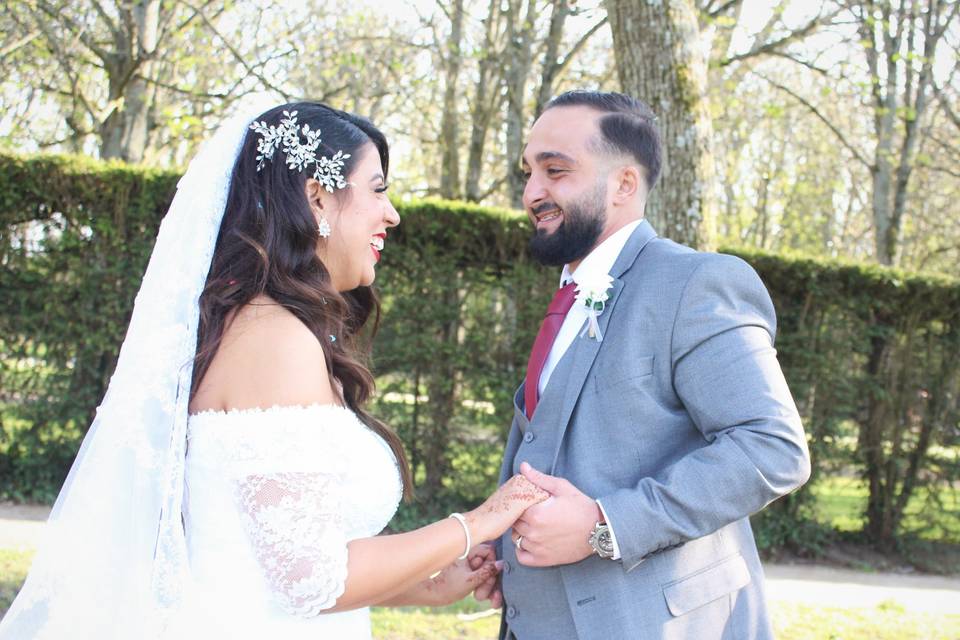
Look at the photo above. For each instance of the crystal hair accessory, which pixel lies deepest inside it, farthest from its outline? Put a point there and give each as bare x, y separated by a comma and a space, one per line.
300, 154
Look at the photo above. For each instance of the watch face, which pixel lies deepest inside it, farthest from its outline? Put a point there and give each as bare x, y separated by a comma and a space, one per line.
604, 541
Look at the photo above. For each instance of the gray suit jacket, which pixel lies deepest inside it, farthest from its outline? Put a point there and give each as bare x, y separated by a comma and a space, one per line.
681, 423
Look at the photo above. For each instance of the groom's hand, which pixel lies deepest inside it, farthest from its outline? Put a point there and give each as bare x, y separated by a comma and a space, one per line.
556, 530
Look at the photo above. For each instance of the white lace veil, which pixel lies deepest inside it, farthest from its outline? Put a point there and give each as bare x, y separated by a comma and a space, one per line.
113, 562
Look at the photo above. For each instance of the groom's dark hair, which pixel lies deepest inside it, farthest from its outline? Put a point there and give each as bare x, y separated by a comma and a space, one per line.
628, 126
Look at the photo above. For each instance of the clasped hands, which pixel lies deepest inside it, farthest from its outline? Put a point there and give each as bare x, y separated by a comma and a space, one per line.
554, 532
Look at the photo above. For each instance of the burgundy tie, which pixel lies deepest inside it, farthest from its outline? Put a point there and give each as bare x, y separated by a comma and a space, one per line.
556, 312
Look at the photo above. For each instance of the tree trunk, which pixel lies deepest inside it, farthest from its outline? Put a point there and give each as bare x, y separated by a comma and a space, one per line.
442, 390
879, 527
659, 60
124, 133
449, 131
900, 94
551, 57
487, 98
520, 58
885, 107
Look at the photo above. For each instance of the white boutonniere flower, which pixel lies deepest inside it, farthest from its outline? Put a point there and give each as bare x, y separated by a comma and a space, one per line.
592, 294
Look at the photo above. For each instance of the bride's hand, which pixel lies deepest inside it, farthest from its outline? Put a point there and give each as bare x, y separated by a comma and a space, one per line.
457, 581
504, 507
489, 590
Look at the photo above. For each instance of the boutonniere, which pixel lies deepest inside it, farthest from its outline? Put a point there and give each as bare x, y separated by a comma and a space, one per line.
592, 294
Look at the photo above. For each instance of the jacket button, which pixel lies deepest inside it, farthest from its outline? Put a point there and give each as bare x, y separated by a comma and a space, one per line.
528, 436
511, 612
507, 567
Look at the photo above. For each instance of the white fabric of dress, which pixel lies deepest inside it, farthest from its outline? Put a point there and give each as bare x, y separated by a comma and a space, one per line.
272, 497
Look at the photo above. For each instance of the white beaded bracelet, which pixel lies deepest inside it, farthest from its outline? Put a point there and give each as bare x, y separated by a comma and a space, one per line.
463, 521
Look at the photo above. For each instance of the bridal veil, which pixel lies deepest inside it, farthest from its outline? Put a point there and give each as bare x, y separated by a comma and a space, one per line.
113, 562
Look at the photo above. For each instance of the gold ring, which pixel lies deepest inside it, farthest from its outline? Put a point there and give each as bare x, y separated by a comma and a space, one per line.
519, 543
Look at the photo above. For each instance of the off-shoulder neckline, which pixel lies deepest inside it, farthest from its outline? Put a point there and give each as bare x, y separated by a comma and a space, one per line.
277, 408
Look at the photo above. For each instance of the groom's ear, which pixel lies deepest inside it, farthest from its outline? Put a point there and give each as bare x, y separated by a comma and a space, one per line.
629, 184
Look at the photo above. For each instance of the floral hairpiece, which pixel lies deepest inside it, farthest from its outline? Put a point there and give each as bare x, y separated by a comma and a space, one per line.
300, 155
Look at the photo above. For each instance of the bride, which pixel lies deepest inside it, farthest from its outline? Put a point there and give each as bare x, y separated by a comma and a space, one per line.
233, 484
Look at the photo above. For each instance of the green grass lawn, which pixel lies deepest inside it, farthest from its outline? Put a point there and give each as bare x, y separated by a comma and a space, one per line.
13, 569
412, 623
793, 621
887, 621
840, 503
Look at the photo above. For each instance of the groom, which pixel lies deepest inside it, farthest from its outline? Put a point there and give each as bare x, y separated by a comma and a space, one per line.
658, 428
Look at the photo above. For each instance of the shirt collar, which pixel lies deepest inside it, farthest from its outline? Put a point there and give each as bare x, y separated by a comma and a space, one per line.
601, 259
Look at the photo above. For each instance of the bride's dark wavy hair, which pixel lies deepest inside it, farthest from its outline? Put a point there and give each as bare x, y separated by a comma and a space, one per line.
268, 245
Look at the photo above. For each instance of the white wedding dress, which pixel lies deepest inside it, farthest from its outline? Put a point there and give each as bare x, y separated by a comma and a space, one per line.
272, 498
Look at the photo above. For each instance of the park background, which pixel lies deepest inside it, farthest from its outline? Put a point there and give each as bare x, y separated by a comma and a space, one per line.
818, 140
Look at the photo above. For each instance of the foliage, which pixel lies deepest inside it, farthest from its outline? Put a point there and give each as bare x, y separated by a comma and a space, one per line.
871, 354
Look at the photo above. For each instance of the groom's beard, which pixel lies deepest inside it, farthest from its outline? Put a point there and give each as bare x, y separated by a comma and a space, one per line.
582, 225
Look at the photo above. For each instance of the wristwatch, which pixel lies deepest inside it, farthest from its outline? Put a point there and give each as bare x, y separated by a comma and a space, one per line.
601, 541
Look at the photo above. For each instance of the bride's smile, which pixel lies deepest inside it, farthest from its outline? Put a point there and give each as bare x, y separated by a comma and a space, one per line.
359, 217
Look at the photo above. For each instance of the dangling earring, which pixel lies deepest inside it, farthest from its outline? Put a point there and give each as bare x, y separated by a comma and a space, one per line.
323, 228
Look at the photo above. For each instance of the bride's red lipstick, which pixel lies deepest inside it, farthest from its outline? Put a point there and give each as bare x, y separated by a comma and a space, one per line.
376, 252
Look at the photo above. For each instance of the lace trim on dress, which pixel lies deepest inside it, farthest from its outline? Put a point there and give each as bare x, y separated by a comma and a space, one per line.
296, 528
304, 438
297, 490
277, 408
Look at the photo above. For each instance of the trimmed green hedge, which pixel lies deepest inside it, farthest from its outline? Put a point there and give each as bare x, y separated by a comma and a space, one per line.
871, 354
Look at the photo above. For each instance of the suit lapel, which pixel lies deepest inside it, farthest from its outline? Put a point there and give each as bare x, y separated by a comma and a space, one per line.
584, 351
514, 437
643, 234
584, 348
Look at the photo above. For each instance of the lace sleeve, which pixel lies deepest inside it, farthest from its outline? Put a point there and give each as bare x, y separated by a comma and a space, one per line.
295, 525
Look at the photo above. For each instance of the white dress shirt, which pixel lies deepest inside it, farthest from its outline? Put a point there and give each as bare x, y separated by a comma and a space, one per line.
597, 263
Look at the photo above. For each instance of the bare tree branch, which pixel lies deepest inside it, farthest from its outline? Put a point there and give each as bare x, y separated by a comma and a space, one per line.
191, 17
580, 44
240, 58
944, 170
816, 112
17, 44
721, 9
493, 188
950, 113
118, 36
786, 55
942, 29
182, 91
79, 31
936, 252
777, 45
